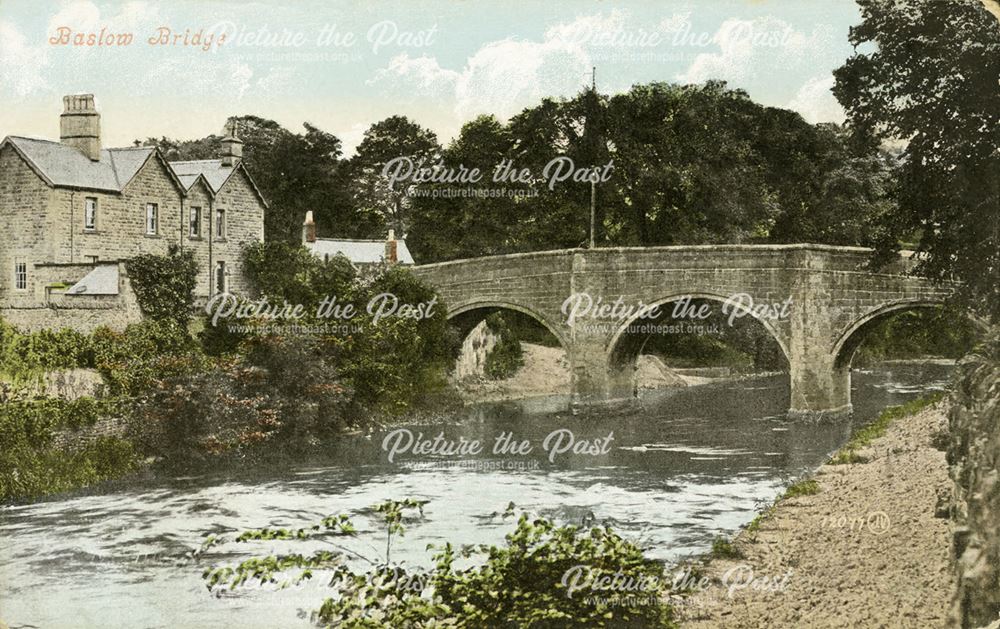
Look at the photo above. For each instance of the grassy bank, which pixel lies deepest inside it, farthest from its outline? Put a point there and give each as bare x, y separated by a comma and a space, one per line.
867, 433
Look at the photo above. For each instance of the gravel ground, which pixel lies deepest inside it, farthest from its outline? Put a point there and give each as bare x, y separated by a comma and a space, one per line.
866, 551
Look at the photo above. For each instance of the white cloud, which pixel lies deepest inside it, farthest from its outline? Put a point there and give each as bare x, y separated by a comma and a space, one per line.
750, 48
815, 101
408, 78
351, 138
504, 77
22, 67
234, 79
85, 15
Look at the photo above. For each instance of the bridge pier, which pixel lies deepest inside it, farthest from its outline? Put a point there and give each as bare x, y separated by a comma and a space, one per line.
597, 383
819, 389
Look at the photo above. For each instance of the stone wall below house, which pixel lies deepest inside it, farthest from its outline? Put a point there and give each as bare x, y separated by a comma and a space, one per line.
74, 440
51, 308
974, 460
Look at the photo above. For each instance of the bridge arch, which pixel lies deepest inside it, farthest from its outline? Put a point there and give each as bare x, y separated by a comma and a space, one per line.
850, 339
615, 341
483, 304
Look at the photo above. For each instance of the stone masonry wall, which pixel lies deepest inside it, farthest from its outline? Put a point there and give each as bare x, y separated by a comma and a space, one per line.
23, 198
200, 197
974, 460
244, 224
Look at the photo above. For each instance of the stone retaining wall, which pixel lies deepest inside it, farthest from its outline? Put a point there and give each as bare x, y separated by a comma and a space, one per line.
73, 440
974, 460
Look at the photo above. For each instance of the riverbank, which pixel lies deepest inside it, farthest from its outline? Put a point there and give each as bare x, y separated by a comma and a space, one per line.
865, 550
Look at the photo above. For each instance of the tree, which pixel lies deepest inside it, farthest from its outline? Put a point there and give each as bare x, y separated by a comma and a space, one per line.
295, 172
931, 80
685, 166
379, 202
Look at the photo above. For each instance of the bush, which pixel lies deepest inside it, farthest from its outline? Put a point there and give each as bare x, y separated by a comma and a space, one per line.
282, 394
164, 285
29, 472
282, 271
722, 547
390, 363
808, 487
30, 462
133, 360
522, 583
506, 357
26, 356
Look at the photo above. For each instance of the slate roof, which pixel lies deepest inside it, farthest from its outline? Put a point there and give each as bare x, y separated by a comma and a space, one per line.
215, 174
359, 251
62, 165
103, 280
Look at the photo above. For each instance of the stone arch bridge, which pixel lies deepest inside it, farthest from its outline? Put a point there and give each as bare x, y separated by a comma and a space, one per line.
830, 294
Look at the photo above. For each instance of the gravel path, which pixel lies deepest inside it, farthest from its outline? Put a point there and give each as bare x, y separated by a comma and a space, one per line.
866, 551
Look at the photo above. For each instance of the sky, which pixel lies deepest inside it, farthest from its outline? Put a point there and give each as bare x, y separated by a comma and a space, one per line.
342, 66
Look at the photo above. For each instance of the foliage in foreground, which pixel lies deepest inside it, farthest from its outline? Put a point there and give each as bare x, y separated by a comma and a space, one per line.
33, 464
518, 584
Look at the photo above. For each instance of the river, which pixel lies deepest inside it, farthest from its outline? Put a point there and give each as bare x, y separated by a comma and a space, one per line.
691, 464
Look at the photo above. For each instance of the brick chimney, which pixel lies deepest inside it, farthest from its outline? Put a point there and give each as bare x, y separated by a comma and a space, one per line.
391, 248
308, 228
80, 125
232, 146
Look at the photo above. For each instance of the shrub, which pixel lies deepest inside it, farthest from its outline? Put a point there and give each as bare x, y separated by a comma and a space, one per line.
31, 472
808, 487
164, 285
26, 356
522, 583
395, 361
30, 462
390, 363
282, 394
133, 360
282, 271
506, 356
722, 547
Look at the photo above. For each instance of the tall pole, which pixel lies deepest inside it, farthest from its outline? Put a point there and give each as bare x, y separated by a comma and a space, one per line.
593, 184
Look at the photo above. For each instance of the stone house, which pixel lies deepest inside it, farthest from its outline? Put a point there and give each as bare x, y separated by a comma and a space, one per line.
72, 211
360, 253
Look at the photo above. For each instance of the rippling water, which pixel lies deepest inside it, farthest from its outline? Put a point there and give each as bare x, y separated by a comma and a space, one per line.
691, 464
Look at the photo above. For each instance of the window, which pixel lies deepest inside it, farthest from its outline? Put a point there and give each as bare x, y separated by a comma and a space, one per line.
195, 230
151, 219
220, 277
220, 223
90, 214
21, 275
